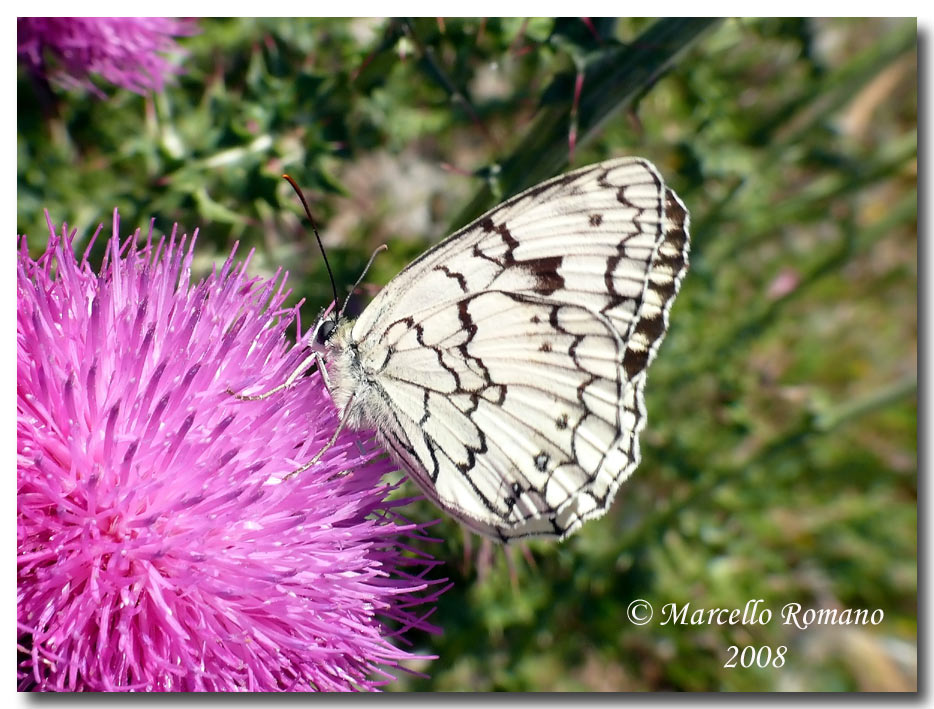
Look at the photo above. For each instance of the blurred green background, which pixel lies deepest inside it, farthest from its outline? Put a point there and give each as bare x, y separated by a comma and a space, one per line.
780, 456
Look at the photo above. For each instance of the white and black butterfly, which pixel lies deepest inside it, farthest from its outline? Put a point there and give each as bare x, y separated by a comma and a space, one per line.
504, 368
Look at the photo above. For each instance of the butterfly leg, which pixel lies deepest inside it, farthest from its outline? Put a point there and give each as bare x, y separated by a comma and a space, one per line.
327, 447
314, 358
319, 362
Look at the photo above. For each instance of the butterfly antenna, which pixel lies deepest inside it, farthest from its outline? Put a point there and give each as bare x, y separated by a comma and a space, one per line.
315, 230
377, 250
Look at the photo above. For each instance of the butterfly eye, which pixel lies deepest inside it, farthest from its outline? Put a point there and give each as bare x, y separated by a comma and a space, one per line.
325, 331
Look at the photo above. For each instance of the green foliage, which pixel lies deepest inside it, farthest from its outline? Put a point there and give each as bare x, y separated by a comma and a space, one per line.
780, 457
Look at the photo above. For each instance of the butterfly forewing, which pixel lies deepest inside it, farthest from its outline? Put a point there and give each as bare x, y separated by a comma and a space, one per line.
504, 368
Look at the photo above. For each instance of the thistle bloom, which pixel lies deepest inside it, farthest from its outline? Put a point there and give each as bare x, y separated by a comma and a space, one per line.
126, 51
159, 547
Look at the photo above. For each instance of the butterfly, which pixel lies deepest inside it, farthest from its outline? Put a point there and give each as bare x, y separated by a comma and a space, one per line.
504, 368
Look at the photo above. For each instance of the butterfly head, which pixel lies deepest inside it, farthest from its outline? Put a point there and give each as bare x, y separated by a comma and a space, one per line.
323, 332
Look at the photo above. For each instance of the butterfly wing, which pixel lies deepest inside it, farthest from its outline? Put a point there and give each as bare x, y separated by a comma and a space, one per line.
506, 365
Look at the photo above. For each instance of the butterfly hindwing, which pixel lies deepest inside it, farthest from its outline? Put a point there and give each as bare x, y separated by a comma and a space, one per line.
504, 368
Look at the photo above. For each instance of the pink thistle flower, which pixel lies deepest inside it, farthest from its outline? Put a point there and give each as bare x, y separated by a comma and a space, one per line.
783, 284
158, 547
126, 51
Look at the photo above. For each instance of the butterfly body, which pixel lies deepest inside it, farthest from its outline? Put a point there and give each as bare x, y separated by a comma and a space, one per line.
503, 369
